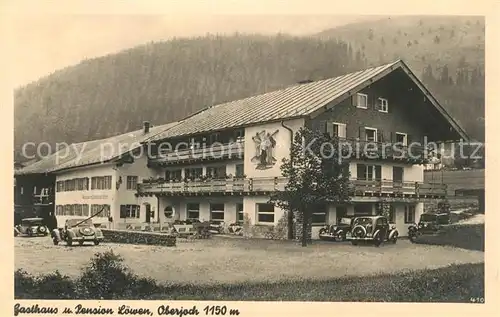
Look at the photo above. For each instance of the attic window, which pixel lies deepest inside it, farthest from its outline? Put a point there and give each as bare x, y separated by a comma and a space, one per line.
362, 101
383, 105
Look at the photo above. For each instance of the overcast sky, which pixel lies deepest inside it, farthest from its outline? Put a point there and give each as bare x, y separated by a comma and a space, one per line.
45, 43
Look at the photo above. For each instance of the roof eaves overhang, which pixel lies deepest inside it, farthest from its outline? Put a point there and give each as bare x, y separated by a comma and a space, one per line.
331, 103
399, 64
253, 124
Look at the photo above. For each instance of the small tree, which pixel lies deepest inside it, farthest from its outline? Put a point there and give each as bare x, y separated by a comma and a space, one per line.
317, 174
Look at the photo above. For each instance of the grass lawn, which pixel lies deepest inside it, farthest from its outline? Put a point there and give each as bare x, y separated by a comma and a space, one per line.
455, 283
236, 261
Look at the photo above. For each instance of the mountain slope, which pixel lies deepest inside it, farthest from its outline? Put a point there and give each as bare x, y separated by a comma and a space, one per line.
447, 53
163, 82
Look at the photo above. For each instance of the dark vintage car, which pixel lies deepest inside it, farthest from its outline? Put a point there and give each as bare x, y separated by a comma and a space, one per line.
374, 229
31, 227
336, 232
429, 223
77, 230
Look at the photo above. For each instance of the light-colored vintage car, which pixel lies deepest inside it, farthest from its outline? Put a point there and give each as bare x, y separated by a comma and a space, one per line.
31, 227
77, 230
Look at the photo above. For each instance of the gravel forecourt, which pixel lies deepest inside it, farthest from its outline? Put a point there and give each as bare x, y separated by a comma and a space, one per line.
230, 260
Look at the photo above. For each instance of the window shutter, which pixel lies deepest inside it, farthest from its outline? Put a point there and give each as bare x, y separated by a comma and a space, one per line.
354, 100
374, 102
361, 171
329, 128
378, 172
322, 127
342, 130
380, 136
362, 134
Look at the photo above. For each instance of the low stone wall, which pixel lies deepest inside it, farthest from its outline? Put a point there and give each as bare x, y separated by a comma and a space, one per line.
138, 237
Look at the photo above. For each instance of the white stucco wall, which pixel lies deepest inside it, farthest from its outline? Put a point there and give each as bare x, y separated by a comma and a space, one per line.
411, 173
127, 196
90, 196
180, 206
250, 208
281, 151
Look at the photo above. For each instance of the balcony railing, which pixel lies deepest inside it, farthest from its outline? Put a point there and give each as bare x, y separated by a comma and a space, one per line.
259, 185
215, 152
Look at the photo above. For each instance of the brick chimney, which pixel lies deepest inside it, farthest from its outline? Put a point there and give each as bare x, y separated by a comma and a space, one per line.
147, 125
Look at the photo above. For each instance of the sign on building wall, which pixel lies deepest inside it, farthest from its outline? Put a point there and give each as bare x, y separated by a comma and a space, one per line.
265, 145
95, 196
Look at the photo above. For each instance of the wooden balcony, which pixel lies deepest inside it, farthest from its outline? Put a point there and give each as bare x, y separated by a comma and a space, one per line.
233, 150
259, 186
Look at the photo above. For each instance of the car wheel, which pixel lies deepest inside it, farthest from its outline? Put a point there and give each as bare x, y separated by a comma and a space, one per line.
55, 241
354, 242
394, 239
30, 232
15, 233
80, 242
412, 238
96, 242
69, 241
340, 237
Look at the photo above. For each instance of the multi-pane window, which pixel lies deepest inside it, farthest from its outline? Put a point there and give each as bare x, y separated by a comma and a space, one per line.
265, 213
335, 129
371, 134
383, 105
193, 173
369, 172
239, 213
340, 130
100, 210
402, 138
214, 138
319, 215
409, 214
130, 211
132, 182
217, 172
173, 175
362, 101
217, 212
72, 210
193, 211
240, 135
101, 182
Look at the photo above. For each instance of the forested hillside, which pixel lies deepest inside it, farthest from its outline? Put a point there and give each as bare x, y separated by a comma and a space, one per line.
163, 82
447, 53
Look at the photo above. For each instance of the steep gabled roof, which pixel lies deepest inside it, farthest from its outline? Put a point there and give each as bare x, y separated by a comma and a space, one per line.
303, 100
92, 152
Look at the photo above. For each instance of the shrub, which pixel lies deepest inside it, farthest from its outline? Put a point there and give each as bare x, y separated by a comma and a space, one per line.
56, 286
24, 284
49, 286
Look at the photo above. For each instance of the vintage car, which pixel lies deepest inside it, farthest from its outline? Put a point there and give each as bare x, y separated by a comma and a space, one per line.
374, 229
429, 223
77, 230
336, 232
31, 227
